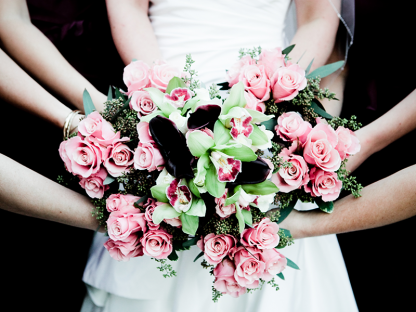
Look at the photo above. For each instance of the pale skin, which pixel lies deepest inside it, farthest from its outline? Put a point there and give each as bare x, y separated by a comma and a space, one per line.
26, 192
38, 56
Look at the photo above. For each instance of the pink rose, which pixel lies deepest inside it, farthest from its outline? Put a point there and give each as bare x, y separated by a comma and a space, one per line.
124, 222
142, 103
116, 202
157, 244
124, 250
254, 103
216, 247
287, 81
275, 263
255, 81
325, 184
291, 126
162, 73
234, 73
118, 157
136, 76
148, 157
263, 235
144, 133
80, 156
294, 177
150, 206
249, 266
319, 148
225, 281
272, 60
97, 129
93, 185
348, 143
175, 222
224, 211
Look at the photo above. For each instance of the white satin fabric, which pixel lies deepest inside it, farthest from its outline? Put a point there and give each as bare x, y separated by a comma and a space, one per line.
213, 32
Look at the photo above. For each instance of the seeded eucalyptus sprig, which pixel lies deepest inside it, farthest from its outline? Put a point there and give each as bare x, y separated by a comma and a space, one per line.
190, 79
254, 53
349, 183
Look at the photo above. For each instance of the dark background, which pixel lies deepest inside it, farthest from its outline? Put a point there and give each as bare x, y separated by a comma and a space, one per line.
42, 262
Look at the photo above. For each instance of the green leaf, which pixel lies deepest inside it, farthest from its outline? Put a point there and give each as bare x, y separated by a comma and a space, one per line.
173, 256
258, 117
221, 133
291, 264
224, 85
258, 137
286, 211
270, 124
263, 188
327, 207
199, 256
164, 211
319, 109
88, 104
325, 70
281, 275
174, 83
243, 153
149, 117
309, 67
159, 192
108, 180
199, 143
189, 223
235, 99
198, 208
119, 95
214, 187
141, 200
288, 49
234, 198
193, 188
286, 232
191, 242
248, 219
110, 94
240, 218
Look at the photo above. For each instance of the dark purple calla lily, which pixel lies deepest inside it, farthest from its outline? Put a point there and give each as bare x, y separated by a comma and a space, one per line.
252, 172
204, 116
172, 146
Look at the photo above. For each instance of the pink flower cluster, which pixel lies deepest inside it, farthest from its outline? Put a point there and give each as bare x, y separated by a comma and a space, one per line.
315, 154
94, 153
138, 75
269, 76
132, 232
240, 265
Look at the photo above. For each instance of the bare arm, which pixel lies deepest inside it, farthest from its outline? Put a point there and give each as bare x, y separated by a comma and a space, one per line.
25, 192
38, 56
387, 201
131, 39
394, 124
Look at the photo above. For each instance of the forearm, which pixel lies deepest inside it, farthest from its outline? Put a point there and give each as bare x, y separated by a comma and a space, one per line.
387, 201
135, 39
25, 192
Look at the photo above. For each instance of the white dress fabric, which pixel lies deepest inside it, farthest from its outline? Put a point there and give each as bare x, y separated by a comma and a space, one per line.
213, 32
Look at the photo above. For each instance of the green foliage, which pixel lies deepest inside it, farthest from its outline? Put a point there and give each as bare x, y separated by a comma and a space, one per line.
215, 294
351, 123
349, 183
254, 53
88, 104
276, 160
138, 182
285, 239
100, 211
214, 92
190, 78
292, 265
326, 70
273, 283
167, 268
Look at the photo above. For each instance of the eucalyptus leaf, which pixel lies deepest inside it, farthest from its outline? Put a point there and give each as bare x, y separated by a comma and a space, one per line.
287, 50
320, 111
174, 83
235, 99
280, 275
214, 187
309, 67
119, 94
164, 211
224, 85
240, 218
270, 124
189, 223
159, 192
248, 218
109, 179
88, 104
286, 211
263, 188
141, 200
243, 153
258, 137
198, 208
326, 70
191, 242
221, 133
110, 94
173, 256
199, 256
286, 232
327, 207
198, 143
291, 264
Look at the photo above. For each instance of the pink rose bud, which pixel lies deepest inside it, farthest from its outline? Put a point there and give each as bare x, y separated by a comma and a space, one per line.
124, 222
136, 76
224, 211
117, 202
97, 129
94, 184
234, 73
319, 148
142, 103
124, 250
147, 157
272, 60
291, 127
216, 247
150, 206
263, 235
255, 81
325, 184
157, 244
118, 157
275, 263
348, 143
287, 82
225, 281
254, 103
249, 266
162, 73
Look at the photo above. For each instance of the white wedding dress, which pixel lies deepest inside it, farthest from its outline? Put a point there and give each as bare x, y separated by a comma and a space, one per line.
213, 32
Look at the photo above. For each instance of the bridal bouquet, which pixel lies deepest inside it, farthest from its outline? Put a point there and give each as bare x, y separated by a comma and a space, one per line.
310, 148
169, 164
